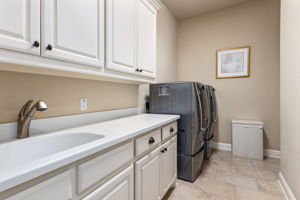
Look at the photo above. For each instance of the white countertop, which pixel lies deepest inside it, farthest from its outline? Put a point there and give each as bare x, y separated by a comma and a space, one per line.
115, 131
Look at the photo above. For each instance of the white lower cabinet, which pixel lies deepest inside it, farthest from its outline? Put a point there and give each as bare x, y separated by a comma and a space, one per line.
119, 187
168, 164
156, 172
147, 176
58, 187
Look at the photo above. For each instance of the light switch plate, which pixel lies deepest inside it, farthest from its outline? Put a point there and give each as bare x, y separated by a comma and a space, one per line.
83, 104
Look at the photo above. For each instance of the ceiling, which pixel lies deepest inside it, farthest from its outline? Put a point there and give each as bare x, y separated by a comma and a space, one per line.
183, 9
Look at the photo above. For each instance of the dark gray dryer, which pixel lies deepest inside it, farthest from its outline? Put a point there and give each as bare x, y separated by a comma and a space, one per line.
189, 100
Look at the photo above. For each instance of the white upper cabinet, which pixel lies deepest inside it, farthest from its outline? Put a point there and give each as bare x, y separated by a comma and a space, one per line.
73, 31
20, 25
121, 35
146, 38
109, 38
131, 36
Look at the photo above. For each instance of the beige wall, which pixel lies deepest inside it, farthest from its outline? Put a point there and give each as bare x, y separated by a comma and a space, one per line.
290, 94
255, 24
61, 94
166, 51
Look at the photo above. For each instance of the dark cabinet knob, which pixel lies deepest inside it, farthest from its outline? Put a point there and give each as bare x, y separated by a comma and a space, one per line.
36, 44
163, 151
171, 129
151, 140
140, 70
49, 47
137, 70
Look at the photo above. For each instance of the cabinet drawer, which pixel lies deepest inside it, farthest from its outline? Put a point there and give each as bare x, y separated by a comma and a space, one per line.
119, 187
58, 187
144, 143
96, 169
169, 130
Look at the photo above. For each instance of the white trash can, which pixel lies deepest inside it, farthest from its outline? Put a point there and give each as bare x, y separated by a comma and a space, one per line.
247, 139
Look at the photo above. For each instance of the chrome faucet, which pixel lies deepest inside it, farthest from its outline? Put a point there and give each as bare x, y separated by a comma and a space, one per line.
25, 117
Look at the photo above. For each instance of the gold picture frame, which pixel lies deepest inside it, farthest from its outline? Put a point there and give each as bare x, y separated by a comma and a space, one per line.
233, 63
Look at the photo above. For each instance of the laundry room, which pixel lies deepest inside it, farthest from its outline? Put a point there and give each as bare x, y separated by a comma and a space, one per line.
149, 100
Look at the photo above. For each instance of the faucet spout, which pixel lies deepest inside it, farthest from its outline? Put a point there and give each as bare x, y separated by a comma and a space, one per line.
25, 116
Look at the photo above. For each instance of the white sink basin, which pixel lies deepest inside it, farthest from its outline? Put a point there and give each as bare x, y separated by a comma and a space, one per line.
19, 152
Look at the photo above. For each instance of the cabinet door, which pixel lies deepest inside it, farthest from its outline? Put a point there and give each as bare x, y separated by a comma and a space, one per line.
121, 35
119, 187
20, 25
58, 188
168, 164
146, 38
147, 180
74, 30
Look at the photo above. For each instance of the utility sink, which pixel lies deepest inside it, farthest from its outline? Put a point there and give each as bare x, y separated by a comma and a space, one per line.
23, 151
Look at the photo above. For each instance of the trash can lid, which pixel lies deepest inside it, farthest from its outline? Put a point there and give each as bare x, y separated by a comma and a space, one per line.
248, 123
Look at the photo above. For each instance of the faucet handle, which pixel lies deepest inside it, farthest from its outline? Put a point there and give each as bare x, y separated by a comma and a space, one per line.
24, 110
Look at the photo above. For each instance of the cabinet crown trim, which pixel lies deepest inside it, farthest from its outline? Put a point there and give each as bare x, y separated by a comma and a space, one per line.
156, 4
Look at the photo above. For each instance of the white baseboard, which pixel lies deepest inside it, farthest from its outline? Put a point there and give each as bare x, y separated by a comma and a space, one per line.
285, 187
227, 147
272, 153
222, 146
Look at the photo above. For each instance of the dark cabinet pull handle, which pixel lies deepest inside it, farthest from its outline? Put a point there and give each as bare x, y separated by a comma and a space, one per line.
137, 70
140, 70
49, 47
171, 129
151, 140
36, 44
165, 149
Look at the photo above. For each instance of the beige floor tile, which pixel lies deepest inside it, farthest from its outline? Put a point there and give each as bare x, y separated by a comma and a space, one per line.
221, 165
186, 192
258, 173
220, 188
242, 162
207, 175
225, 177
250, 194
207, 172
267, 175
247, 171
217, 197
261, 165
237, 180
269, 186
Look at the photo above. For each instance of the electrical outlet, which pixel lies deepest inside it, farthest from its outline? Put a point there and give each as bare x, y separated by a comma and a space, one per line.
83, 104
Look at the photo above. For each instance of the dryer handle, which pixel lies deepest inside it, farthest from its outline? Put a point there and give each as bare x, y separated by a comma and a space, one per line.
199, 106
214, 105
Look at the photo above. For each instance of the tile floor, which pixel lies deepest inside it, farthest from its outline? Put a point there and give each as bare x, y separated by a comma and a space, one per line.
225, 177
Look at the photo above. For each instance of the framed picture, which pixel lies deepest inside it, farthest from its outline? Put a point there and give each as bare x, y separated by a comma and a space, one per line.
233, 63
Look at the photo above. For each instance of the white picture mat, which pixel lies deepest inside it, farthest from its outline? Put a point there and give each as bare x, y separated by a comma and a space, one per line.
245, 70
